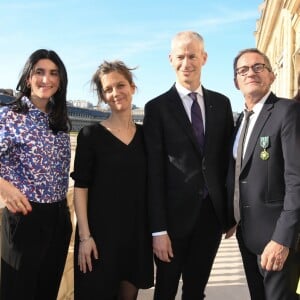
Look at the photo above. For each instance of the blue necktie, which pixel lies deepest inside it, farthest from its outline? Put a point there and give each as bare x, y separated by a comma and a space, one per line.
197, 121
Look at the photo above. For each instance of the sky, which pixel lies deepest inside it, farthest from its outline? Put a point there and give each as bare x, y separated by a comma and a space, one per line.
138, 32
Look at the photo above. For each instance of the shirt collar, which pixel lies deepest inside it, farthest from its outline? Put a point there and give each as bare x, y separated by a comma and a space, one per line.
259, 105
35, 114
184, 91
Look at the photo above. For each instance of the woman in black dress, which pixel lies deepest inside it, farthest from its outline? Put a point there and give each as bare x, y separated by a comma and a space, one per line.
113, 252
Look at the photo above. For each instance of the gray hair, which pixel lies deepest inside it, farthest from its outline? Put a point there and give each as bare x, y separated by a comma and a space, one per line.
186, 36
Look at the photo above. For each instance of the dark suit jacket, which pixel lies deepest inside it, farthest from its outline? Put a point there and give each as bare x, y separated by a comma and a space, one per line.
177, 169
270, 189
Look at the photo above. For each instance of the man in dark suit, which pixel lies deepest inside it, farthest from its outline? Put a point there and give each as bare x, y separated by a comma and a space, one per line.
265, 191
187, 173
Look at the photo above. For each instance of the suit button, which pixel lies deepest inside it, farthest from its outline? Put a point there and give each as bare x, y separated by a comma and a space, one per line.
243, 181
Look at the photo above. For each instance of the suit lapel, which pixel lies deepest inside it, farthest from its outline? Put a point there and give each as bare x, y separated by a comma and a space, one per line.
235, 131
238, 123
209, 118
231, 167
179, 113
260, 123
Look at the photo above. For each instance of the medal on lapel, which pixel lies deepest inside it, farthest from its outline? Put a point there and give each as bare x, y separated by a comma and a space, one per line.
264, 143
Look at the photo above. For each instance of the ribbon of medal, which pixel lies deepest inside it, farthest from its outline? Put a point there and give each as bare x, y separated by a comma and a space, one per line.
264, 143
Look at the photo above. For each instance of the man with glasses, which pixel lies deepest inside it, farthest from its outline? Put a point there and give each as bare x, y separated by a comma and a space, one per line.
264, 181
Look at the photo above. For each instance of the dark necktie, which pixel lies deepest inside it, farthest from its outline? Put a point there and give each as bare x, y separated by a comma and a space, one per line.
197, 121
238, 164
197, 124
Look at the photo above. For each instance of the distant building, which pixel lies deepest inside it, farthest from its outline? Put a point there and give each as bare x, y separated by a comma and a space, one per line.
9, 92
82, 116
6, 96
81, 103
278, 35
138, 115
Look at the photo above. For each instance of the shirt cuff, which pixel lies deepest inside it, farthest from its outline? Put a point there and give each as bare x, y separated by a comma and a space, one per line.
159, 233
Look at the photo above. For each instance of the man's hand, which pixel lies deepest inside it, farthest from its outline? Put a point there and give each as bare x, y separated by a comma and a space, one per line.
274, 256
162, 247
230, 232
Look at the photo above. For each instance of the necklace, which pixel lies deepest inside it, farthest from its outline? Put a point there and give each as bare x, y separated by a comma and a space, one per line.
110, 126
124, 134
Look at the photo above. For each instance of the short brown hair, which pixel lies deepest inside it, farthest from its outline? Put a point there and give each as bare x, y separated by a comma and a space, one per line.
107, 67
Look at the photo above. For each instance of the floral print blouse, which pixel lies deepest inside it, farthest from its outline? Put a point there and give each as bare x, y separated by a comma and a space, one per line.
32, 157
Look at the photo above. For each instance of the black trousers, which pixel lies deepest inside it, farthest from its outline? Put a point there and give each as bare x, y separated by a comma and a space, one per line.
270, 285
193, 259
34, 251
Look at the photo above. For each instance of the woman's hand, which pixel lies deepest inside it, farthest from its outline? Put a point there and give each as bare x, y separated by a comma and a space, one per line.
13, 199
87, 249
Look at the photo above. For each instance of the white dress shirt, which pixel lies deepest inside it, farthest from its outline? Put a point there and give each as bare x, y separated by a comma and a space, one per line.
256, 111
188, 101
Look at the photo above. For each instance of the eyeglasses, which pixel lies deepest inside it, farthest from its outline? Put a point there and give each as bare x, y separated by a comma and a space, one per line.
257, 68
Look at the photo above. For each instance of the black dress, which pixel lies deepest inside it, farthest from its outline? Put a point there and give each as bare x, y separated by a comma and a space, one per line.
115, 175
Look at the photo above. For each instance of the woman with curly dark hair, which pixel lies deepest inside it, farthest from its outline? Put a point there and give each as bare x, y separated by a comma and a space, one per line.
34, 172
